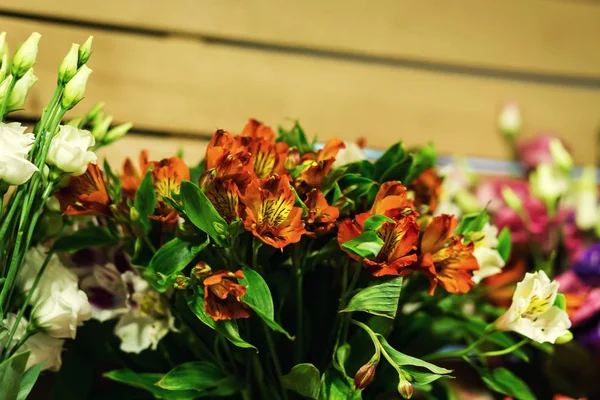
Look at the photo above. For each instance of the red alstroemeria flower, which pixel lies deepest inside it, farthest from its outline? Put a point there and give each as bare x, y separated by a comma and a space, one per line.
271, 215
427, 189
400, 237
85, 194
320, 217
445, 259
222, 296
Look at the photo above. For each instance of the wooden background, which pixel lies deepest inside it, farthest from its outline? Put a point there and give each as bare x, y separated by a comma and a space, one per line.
415, 70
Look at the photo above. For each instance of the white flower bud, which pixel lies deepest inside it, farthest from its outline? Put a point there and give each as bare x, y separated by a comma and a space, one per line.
69, 150
4, 86
4, 67
85, 51
2, 44
561, 157
100, 129
68, 67
547, 184
117, 132
17, 98
509, 120
512, 199
26, 55
586, 200
75, 88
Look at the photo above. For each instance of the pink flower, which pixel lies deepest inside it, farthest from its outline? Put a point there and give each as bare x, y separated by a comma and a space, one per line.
535, 150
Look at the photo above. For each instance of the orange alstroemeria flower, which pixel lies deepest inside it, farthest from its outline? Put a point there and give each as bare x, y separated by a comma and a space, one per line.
257, 130
400, 238
131, 178
320, 217
270, 212
225, 196
268, 158
445, 259
222, 296
427, 189
85, 194
320, 165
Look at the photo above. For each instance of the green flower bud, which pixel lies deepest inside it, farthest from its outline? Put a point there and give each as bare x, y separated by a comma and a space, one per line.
561, 157
405, 388
512, 199
566, 338
3, 45
134, 215
4, 86
17, 98
467, 201
100, 129
26, 55
68, 68
201, 270
95, 111
181, 282
85, 51
4, 67
365, 375
75, 88
117, 132
75, 122
547, 184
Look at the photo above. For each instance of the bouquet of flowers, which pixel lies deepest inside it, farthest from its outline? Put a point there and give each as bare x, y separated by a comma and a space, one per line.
274, 269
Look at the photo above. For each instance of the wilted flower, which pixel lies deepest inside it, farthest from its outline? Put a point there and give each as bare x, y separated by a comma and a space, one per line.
15, 169
320, 216
85, 194
533, 313
271, 214
69, 150
222, 296
43, 348
445, 259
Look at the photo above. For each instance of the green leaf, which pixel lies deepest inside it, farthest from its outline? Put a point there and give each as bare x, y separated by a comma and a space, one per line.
423, 159
29, 378
504, 244
258, 298
342, 355
374, 222
366, 245
295, 137
399, 171
146, 381
335, 387
380, 298
93, 236
304, 379
202, 213
505, 382
11, 374
478, 328
473, 222
228, 329
195, 375
174, 256
145, 200
402, 359
392, 156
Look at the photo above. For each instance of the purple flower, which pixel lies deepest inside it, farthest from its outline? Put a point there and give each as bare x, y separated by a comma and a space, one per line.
587, 265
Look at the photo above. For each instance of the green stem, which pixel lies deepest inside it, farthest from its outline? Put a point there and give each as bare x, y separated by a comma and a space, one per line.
508, 350
28, 333
299, 348
256, 245
458, 353
276, 364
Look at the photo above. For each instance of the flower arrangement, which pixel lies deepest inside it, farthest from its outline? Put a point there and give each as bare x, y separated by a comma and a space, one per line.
273, 269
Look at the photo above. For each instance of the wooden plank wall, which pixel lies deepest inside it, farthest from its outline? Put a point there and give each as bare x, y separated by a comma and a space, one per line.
419, 71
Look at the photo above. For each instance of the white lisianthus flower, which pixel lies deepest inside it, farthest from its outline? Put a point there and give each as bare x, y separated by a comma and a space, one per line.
55, 273
547, 183
62, 311
15, 169
533, 313
69, 150
509, 119
148, 319
43, 348
352, 153
586, 200
489, 260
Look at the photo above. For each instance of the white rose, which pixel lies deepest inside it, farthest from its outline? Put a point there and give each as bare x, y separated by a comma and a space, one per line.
15, 169
62, 311
352, 153
69, 150
43, 347
533, 313
55, 274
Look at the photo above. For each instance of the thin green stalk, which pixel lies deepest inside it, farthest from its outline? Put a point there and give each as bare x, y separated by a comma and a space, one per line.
297, 263
11, 212
508, 350
28, 333
458, 353
276, 364
256, 245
